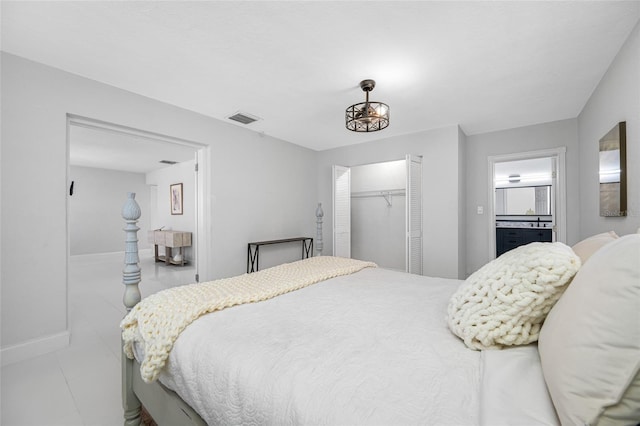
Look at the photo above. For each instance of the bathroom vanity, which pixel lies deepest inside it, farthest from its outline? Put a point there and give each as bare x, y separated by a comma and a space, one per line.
511, 234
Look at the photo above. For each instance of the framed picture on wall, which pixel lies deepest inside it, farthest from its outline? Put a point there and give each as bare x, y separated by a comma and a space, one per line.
176, 198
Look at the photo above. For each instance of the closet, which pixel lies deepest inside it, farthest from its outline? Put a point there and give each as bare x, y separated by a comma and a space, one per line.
377, 213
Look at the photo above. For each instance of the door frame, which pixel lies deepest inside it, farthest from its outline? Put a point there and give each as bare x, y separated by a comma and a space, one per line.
559, 155
409, 159
203, 179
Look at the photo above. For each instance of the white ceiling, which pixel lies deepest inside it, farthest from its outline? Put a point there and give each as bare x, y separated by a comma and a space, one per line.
105, 149
532, 171
297, 64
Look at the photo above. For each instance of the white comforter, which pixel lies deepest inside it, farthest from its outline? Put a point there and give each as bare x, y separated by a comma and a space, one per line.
368, 348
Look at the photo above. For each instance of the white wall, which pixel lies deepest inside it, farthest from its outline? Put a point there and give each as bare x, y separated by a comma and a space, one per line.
264, 188
95, 225
440, 149
161, 180
531, 138
615, 99
383, 176
378, 229
260, 188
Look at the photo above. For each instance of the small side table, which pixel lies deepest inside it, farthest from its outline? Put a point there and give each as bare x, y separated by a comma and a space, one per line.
170, 240
253, 250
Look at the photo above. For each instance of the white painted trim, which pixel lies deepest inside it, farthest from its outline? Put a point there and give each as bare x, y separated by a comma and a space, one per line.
91, 123
66, 223
34, 348
203, 225
148, 252
491, 207
559, 154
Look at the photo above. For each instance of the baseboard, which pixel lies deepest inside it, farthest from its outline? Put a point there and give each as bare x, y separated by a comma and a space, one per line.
148, 250
33, 348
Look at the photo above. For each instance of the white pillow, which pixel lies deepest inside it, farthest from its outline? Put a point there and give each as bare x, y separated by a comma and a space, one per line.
590, 343
505, 301
588, 246
519, 369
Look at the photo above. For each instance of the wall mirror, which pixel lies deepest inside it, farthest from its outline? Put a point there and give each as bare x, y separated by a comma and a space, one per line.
525, 200
613, 172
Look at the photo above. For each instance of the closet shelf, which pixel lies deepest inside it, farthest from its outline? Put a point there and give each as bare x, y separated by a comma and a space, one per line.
384, 194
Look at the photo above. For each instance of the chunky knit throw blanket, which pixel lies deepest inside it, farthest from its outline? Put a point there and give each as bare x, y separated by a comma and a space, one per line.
505, 302
157, 321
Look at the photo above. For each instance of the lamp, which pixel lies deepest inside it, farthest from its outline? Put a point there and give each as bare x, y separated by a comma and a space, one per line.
367, 116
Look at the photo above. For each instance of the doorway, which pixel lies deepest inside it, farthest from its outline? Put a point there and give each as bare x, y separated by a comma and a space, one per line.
113, 150
527, 199
377, 213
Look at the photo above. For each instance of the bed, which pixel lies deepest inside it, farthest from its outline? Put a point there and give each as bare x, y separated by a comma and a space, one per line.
368, 346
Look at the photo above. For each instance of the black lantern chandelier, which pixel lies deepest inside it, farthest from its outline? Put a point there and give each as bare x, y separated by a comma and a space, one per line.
367, 116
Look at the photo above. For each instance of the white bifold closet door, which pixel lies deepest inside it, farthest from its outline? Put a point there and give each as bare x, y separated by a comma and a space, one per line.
341, 211
413, 222
413, 253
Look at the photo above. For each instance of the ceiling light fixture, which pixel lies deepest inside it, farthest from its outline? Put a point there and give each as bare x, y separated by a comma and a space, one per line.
367, 116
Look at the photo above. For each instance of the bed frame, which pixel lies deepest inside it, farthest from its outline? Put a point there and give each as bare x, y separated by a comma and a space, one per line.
164, 405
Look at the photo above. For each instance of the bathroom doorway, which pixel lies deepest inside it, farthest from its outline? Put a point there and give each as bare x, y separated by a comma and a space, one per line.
527, 199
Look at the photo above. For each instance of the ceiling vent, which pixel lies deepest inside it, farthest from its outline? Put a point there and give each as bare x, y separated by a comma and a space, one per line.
168, 162
244, 118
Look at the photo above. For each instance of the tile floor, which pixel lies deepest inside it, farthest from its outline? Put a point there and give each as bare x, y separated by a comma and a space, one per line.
80, 384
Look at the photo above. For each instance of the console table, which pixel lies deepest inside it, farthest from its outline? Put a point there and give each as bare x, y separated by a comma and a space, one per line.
170, 240
253, 250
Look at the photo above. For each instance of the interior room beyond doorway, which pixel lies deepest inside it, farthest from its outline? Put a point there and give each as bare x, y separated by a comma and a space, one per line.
106, 162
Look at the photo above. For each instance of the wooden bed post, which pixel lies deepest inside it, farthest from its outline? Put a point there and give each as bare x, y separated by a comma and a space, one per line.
319, 215
131, 279
131, 272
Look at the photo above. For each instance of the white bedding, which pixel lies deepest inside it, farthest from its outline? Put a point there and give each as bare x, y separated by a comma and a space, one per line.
513, 390
368, 348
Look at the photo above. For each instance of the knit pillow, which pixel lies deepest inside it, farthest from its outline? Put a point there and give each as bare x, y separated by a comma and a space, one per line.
505, 302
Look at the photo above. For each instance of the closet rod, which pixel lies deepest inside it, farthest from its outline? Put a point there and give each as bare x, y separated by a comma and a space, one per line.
384, 194
361, 194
